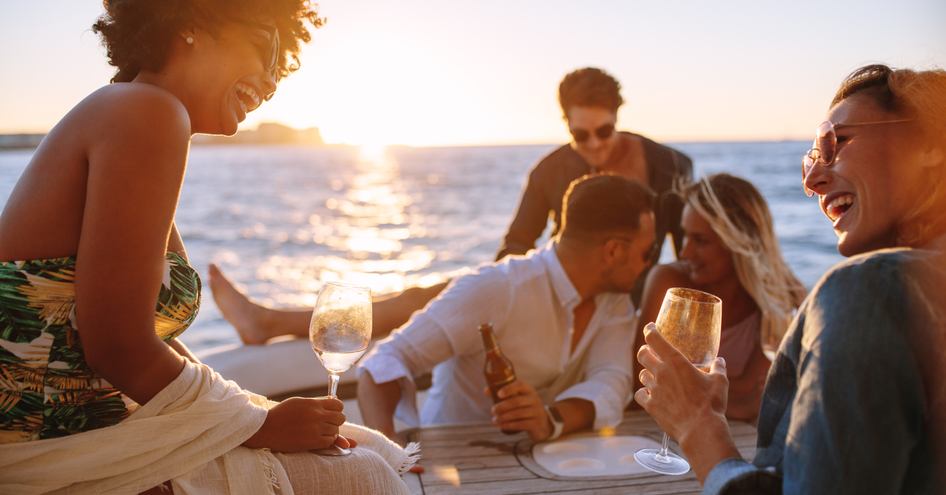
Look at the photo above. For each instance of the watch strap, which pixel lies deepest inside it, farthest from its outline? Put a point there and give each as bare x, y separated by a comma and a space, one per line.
557, 424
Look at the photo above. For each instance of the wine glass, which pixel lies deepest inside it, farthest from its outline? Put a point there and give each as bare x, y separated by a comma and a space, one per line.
339, 331
690, 320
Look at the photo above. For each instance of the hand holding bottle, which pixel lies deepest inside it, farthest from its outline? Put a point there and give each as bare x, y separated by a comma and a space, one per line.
521, 409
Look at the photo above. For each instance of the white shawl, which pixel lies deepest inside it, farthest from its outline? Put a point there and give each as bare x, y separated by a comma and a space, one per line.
194, 425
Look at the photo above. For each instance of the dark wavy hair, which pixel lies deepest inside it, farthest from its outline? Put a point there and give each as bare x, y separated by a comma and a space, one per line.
137, 34
589, 87
597, 205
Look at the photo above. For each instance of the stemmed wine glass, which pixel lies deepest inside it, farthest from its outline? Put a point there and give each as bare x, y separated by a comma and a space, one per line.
339, 331
690, 320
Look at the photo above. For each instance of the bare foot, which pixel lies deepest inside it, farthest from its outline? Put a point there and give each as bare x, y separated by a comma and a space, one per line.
245, 315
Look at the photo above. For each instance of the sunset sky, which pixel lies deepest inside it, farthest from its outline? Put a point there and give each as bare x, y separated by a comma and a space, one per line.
486, 72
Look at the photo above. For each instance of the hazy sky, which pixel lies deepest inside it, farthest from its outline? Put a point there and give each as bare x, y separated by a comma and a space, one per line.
481, 72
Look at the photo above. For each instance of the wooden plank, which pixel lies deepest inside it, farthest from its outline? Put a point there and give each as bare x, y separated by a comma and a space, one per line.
462, 432
414, 486
649, 485
478, 459
478, 462
460, 451
446, 476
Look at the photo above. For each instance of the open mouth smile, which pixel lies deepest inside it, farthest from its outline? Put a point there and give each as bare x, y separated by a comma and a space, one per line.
248, 97
836, 205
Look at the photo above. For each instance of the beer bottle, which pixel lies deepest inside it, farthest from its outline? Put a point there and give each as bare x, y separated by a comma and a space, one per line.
498, 368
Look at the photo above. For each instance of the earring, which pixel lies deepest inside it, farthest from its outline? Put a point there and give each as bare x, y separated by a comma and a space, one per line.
189, 40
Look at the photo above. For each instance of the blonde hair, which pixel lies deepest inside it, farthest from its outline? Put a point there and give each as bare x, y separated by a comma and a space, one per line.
920, 95
739, 215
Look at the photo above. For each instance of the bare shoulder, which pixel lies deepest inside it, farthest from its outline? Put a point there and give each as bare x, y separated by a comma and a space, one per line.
133, 112
136, 104
122, 100
124, 124
663, 277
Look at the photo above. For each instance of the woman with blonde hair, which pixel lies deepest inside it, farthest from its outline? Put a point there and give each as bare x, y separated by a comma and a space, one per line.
730, 250
855, 401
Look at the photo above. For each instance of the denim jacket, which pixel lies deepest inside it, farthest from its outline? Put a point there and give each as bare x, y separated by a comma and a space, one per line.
845, 407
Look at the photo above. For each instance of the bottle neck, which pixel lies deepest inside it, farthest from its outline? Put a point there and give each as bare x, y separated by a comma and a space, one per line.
489, 338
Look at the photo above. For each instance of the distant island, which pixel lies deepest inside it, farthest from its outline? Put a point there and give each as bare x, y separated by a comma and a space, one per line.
20, 141
265, 133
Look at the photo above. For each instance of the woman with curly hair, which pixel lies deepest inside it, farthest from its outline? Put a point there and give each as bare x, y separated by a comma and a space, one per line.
730, 250
96, 393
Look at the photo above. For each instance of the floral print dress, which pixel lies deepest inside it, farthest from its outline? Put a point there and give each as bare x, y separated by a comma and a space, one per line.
46, 388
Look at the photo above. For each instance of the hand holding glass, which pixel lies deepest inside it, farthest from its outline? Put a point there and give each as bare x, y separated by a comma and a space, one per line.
339, 331
690, 320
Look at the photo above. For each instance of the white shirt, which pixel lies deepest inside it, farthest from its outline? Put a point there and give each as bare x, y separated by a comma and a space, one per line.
530, 302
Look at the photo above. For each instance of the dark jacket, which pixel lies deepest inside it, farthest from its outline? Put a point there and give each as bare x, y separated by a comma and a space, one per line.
549, 180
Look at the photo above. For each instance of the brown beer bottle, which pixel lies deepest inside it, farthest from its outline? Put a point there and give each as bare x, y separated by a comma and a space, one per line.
497, 368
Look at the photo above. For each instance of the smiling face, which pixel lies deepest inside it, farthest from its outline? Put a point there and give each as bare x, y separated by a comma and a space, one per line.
231, 73
872, 184
707, 258
587, 120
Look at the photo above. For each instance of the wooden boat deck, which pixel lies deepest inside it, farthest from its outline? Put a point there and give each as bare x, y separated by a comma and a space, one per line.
479, 459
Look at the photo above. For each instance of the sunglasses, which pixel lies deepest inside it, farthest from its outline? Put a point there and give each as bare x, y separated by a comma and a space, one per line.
269, 51
824, 150
582, 135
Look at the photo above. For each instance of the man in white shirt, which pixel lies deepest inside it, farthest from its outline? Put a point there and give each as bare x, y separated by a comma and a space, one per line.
561, 314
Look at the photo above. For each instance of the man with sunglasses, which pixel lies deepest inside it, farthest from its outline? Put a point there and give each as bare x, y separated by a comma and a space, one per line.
560, 313
590, 99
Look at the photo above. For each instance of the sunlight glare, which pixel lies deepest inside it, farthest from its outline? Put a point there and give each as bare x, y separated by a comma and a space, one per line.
374, 153
449, 475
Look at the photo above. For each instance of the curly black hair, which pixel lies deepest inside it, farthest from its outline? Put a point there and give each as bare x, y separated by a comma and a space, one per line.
137, 34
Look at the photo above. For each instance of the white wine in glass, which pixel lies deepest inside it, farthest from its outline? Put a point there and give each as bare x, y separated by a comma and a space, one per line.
691, 321
340, 331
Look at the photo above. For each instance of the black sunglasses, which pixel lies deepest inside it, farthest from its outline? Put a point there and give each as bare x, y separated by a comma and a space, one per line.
582, 135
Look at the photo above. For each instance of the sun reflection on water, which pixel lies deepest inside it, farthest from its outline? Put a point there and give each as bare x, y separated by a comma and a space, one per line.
359, 234
374, 153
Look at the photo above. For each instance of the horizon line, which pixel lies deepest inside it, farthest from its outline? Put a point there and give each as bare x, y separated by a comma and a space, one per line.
671, 140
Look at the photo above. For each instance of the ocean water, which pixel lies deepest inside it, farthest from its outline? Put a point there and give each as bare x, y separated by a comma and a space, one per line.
281, 220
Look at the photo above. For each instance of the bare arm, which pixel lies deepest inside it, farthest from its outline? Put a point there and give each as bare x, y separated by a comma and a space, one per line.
182, 349
530, 219
377, 403
521, 409
577, 414
134, 178
745, 390
447, 327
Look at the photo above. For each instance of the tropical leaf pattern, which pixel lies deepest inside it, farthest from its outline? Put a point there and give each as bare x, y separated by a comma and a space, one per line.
46, 388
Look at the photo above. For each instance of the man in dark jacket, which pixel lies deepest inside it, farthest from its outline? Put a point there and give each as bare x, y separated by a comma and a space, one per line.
590, 99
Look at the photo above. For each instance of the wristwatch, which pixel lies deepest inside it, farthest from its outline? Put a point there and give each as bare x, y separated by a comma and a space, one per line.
558, 424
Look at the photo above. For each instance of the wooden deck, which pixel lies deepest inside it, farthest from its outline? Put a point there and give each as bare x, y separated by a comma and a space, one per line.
479, 459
